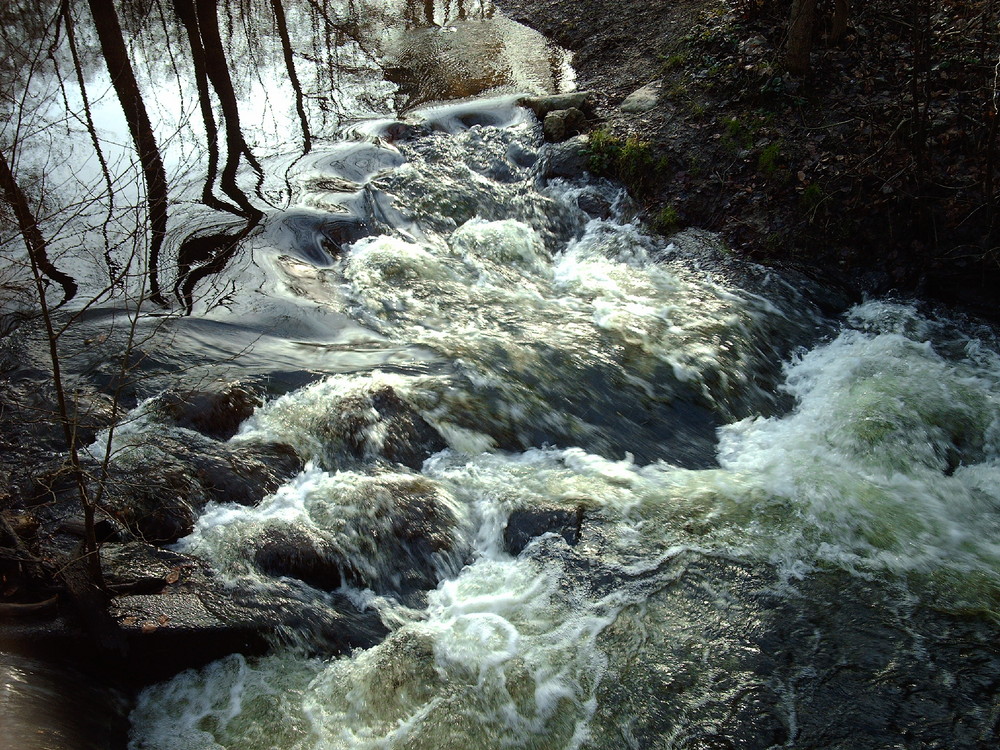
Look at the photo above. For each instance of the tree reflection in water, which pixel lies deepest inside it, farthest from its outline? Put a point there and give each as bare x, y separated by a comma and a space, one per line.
151, 141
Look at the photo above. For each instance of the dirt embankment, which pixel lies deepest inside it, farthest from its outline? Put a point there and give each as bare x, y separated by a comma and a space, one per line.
875, 170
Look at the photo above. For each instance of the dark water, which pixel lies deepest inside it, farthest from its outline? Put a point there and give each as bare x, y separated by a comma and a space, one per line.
786, 526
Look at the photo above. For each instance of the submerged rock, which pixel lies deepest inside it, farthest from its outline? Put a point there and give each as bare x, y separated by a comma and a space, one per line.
408, 438
403, 534
216, 413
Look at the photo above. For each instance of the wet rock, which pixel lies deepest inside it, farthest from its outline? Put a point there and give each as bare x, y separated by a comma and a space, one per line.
293, 553
216, 413
171, 613
594, 205
194, 618
244, 473
542, 105
158, 507
643, 99
169, 633
560, 124
567, 159
526, 524
157, 490
402, 435
140, 568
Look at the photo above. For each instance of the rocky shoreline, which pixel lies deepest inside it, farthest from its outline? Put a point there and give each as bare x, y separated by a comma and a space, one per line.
821, 173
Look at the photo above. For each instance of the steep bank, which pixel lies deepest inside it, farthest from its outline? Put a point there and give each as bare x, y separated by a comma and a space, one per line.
875, 170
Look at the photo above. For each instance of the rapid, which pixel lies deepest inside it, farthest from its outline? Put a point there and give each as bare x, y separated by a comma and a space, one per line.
603, 488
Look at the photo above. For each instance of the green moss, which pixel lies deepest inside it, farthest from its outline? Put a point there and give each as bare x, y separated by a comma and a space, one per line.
602, 151
811, 199
666, 221
676, 60
769, 157
630, 161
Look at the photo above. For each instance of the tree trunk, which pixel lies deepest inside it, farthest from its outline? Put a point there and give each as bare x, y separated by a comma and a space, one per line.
838, 27
800, 33
109, 32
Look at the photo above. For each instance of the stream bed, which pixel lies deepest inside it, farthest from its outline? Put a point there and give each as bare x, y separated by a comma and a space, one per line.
603, 488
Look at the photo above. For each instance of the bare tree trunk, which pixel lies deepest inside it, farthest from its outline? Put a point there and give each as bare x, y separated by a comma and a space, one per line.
800, 33
116, 57
286, 48
838, 26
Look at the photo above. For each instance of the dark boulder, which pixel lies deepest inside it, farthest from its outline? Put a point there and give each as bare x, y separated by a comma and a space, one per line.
291, 552
216, 413
244, 472
525, 524
158, 504
567, 160
594, 205
157, 490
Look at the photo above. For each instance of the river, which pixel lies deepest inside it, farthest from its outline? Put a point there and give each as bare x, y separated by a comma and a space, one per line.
670, 503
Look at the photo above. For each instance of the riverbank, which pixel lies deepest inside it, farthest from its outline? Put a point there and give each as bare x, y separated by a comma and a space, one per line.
873, 171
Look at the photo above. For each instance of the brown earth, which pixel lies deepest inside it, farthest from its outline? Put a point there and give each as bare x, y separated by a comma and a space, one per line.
874, 171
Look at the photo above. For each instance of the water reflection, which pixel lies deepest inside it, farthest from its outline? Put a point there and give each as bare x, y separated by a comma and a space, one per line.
138, 132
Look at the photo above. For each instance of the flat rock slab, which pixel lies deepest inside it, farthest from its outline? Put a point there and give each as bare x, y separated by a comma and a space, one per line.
148, 613
167, 633
643, 99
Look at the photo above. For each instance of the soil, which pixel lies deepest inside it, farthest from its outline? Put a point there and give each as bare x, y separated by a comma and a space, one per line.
874, 171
